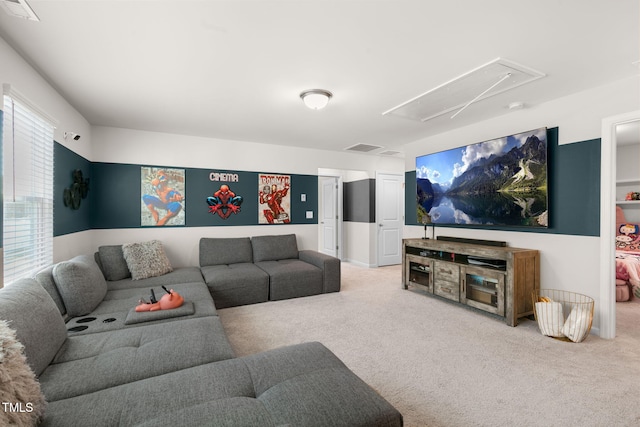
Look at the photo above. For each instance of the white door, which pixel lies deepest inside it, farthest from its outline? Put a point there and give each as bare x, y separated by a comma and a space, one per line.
389, 208
329, 217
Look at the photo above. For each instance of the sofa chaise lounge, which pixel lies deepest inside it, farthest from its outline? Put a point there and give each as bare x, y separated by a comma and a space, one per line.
164, 369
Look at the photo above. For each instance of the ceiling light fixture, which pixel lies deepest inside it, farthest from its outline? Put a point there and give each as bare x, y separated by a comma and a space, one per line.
316, 99
517, 105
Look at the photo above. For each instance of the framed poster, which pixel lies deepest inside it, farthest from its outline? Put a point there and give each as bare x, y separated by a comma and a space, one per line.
274, 200
162, 192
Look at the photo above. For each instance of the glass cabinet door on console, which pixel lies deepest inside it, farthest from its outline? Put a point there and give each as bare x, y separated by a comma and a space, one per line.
419, 271
493, 278
482, 288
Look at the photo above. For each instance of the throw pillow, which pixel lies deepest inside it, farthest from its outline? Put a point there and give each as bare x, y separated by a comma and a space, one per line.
578, 323
114, 266
146, 259
550, 318
19, 384
81, 284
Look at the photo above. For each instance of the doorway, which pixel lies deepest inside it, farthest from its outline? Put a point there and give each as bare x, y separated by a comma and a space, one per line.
389, 217
627, 180
329, 237
607, 220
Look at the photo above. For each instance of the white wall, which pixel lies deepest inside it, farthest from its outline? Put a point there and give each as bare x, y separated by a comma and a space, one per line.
567, 262
21, 76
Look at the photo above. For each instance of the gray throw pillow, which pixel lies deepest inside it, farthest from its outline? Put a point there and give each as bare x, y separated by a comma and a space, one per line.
146, 259
81, 284
114, 266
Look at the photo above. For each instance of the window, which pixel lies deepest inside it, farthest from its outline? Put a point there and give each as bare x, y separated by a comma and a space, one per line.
27, 152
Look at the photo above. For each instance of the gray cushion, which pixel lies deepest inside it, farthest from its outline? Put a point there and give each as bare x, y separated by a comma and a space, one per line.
133, 317
222, 277
292, 278
329, 265
217, 251
272, 248
231, 411
306, 385
45, 278
146, 259
113, 264
224, 393
80, 283
34, 316
236, 284
117, 304
177, 276
97, 361
149, 399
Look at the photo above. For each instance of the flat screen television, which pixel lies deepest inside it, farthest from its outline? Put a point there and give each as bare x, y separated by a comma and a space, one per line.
501, 182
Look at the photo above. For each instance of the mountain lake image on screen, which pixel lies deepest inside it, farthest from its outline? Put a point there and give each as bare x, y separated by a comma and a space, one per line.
500, 182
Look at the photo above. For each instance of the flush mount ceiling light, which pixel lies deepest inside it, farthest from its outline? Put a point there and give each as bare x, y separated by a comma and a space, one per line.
316, 99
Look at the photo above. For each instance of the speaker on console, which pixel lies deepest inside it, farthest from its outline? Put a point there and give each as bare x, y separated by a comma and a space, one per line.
472, 241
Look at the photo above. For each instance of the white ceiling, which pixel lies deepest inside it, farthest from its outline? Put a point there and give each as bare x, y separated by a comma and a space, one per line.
233, 69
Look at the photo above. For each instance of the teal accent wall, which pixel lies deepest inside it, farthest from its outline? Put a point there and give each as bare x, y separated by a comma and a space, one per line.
573, 181
65, 219
359, 201
118, 202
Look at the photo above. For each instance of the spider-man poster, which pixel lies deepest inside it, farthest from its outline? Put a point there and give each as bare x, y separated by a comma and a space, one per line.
274, 200
162, 196
224, 202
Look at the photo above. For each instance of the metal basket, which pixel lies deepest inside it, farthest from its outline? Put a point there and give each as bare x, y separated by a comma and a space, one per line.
563, 315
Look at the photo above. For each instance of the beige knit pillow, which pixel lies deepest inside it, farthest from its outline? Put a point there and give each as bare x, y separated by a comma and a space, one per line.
146, 259
22, 400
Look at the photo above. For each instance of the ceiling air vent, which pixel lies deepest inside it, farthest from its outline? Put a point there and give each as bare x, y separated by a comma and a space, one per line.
19, 9
389, 153
363, 148
492, 78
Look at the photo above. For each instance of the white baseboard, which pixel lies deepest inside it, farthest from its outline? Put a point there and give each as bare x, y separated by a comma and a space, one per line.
360, 263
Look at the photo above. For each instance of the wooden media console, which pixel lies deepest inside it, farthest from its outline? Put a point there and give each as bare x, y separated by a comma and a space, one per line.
499, 280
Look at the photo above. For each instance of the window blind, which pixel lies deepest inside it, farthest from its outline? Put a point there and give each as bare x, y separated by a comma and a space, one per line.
27, 189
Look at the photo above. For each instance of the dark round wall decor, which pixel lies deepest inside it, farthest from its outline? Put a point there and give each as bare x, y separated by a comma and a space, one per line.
78, 190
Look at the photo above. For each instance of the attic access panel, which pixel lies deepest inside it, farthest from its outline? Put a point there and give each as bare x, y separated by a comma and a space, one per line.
19, 9
456, 93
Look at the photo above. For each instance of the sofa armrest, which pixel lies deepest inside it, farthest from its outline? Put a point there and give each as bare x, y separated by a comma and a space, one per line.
329, 265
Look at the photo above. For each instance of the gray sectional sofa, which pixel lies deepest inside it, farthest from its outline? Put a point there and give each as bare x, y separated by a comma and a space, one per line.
100, 363
246, 270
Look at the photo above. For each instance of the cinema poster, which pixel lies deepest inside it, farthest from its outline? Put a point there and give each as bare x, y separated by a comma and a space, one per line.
162, 192
274, 199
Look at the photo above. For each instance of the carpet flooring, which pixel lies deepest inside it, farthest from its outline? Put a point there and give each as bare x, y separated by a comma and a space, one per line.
441, 364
